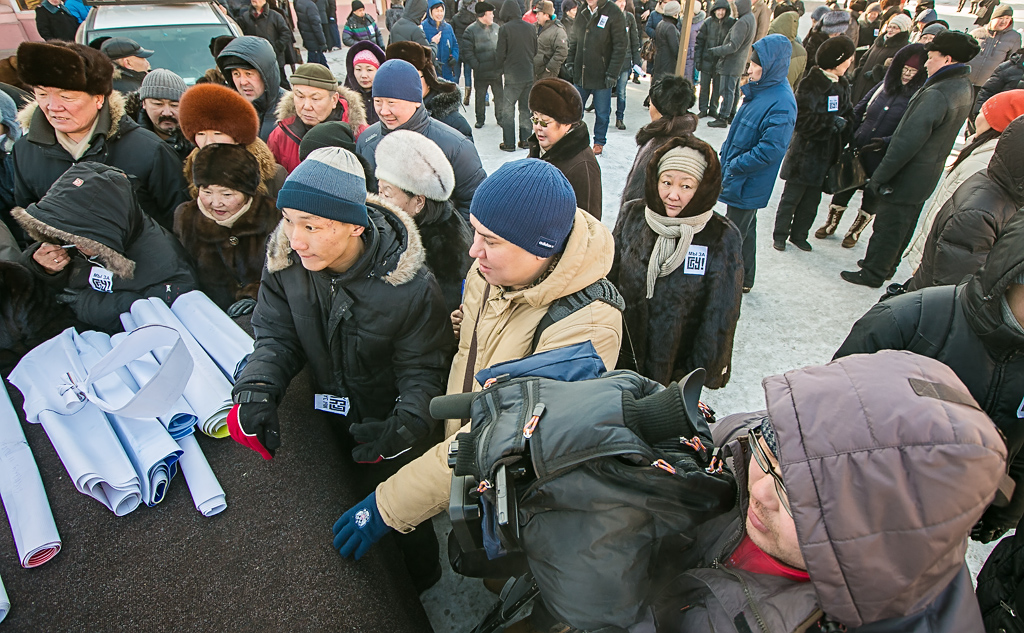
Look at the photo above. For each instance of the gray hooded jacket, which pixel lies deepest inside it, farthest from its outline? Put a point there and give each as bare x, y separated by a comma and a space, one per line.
258, 53
407, 28
732, 54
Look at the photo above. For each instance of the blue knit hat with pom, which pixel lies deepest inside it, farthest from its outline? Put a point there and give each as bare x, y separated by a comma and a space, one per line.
529, 203
330, 183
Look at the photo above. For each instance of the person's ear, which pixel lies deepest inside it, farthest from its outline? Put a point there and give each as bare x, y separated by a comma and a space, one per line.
99, 99
357, 230
421, 201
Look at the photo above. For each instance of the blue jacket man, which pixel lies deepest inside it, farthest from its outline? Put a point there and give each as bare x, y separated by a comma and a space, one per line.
757, 142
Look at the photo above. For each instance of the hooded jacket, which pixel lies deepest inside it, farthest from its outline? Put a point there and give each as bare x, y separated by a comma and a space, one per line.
869, 31
446, 51
552, 50
972, 219
1006, 76
39, 160
378, 333
504, 325
731, 56
574, 157
480, 49
136, 256
760, 132
350, 77
820, 132
787, 24
311, 27
284, 140
996, 48
517, 46
258, 53
917, 153
460, 151
872, 68
691, 319
879, 561
596, 52
407, 29
712, 34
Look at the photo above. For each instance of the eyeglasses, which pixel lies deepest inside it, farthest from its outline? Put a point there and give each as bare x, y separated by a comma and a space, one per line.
540, 122
754, 437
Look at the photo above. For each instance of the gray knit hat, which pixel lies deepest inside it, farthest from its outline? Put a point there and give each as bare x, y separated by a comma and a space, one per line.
415, 164
835, 22
329, 183
162, 84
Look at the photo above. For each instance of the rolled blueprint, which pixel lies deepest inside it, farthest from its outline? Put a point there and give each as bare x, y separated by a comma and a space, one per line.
181, 419
208, 391
206, 492
5, 602
21, 488
225, 342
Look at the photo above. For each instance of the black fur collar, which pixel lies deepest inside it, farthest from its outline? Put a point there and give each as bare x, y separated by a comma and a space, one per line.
575, 141
441, 104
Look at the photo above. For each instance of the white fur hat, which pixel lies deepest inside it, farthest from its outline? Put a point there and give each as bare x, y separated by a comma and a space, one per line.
415, 164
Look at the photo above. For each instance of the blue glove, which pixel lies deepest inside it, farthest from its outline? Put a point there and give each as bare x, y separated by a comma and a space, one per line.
359, 528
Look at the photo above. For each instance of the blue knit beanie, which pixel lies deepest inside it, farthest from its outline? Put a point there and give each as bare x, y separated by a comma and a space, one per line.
398, 79
529, 203
329, 183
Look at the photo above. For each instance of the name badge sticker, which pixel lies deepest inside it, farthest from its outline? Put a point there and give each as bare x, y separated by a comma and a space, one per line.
330, 404
602, 21
696, 260
101, 279
833, 103
876, 32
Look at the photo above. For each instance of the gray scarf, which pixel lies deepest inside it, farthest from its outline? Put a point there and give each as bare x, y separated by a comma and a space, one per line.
674, 238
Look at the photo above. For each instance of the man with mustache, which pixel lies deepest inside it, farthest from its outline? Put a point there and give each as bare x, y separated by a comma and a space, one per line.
160, 92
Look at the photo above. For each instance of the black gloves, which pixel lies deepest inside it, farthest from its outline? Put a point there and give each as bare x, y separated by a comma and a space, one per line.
610, 81
387, 439
986, 533
253, 423
839, 124
240, 307
875, 145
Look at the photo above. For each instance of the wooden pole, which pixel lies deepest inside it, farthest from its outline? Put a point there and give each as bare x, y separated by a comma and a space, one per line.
684, 37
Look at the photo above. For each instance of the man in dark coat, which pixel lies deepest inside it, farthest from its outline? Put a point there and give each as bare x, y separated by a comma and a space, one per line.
731, 59
975, 328
408, 26
55, 22
160, 93
597, 50
917, 153
121, 254
517, 46
92, 126
250, 66
262, 21
479, 49
711, 35
311, 29
131, 63
1007, 76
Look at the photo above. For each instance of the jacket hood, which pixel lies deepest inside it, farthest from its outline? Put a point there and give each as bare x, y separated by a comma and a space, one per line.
721, 4
258, 53
358, 47
742, 8
982, 296
893, 82
908, 426
708, 189
415, 10
113, 110
264, 157
774, 52
354, 101
444, 101
399, 256
9, 116
786, 24
1006, 168
92, 206
509, 12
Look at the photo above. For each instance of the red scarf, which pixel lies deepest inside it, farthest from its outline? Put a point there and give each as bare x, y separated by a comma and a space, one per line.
749, 557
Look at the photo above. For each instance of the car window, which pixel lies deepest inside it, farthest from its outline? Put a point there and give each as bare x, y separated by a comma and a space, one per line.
184, 50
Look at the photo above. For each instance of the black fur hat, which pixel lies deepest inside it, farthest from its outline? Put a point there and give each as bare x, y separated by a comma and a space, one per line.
710, 185
64, 65
230, 166
672, 96
422, 57
962, 47
834, 51
558, 99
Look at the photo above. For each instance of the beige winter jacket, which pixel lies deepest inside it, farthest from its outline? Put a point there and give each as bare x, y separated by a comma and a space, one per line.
504, 329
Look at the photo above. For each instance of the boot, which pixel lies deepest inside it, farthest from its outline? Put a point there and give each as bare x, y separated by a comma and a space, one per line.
859, 224
835, 213
465, 100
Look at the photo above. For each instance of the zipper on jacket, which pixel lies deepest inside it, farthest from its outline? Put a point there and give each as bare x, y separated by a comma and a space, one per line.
750, 599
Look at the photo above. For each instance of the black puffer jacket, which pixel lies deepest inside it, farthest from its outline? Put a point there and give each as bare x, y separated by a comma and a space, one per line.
155, 170
517, 45
1007, 76
378, 334
446, 240
597, 46
93, 206
480, 49
310, 26
973, 218
872, 67
666, 42
258, 53
408, 28
711, 34
985, 351
269, 25
127, 80
822, 127
444, 104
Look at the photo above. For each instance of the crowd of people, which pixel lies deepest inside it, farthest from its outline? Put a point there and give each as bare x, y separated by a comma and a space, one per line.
353, 220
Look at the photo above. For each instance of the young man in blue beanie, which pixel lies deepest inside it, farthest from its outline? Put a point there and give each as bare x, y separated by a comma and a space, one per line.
398, 101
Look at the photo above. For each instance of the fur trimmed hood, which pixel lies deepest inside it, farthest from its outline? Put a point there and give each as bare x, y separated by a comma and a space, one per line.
710, 185
893, 82
400, 254
442, 103
355, 109
114, 105
259, 150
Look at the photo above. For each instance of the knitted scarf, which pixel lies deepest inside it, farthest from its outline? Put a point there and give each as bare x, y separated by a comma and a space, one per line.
227, 222
674, 238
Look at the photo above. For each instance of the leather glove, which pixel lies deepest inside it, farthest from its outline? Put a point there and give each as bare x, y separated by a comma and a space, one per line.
387, 439
67, 296
985, 533
839, 124
874, 145
610, 81
253, 423
240, 307
359, 528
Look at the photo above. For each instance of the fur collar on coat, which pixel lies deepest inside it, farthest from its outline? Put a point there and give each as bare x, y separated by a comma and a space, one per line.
353, 100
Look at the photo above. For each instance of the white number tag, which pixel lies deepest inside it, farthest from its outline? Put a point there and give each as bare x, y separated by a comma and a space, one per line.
696, 260
833, 103
330, 404
602, 21
101, 279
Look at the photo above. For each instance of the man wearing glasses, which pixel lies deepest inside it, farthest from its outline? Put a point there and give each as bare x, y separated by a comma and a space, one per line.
857, 489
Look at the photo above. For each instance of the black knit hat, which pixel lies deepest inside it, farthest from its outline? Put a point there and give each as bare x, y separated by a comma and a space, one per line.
558, 99
327, 134
230, 166
672, 96
834, 51
962, 47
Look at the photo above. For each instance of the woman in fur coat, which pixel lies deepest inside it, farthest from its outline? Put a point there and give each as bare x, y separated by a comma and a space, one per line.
225, 228
822, 126
414, 175
679, 267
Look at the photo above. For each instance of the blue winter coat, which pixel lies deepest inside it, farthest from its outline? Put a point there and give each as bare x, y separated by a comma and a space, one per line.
760, 132
447, 50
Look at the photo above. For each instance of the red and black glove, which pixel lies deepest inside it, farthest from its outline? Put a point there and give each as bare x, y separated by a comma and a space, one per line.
253, 423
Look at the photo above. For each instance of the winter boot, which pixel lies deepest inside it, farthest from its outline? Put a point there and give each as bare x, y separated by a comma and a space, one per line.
859, 224
465, 100
835, 213
619, 125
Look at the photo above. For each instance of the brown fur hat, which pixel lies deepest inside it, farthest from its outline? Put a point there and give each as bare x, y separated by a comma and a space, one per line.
230, 166
707, 191
64, 65
423, 59
9, 73
213, 107
558, 99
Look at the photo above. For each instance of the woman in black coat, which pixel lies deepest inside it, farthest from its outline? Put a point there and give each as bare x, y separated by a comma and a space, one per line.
822, 123
872, 67
682, 307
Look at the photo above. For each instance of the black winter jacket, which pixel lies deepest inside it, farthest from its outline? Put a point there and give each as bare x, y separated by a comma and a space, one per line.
731, 56
597, 46
1007, 76
517, 46
378, 334
311, 28
460, 22
985, 351
480, 49
177, 141
408, 28
269, 25
633, 43
872, 66
444, 106
822, 127
446, 240
126, 80
973, 218
143, 258
154, 168
55, 25
666, 42
711, 34
258, 53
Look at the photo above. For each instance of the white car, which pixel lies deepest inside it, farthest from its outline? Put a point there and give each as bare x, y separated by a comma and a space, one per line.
179, 34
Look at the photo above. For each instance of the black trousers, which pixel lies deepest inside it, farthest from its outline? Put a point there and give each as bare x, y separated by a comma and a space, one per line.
867, 201
797, 210
480, 85
894, 226
746, 221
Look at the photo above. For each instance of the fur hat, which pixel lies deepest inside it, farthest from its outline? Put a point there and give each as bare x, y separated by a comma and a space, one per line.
415, 164
66, 66
819, 13
422, 58
213, 107
546, 7
835, 22
706, 195
960, 46
672, 96
558, 99
859, 5
482, 8
217, 44
834, 51
230, 166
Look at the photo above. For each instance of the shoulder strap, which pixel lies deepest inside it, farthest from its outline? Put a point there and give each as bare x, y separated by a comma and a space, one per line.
600, 290
938, 304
